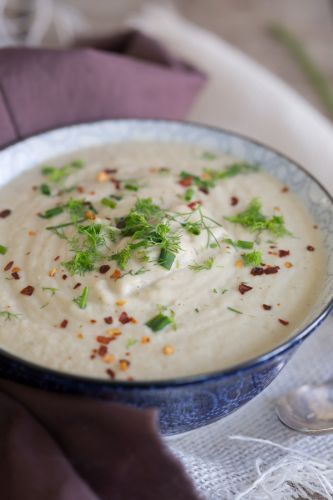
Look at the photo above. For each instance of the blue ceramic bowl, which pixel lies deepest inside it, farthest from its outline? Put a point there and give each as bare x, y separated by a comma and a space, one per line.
199, 400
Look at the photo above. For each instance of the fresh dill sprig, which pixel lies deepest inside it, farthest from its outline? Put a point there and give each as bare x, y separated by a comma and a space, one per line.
59, 174
204, 266
9, 315
254, 220
252, 259
50, 289
82, 299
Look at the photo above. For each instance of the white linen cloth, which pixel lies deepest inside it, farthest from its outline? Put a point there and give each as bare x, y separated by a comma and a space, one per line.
244, 97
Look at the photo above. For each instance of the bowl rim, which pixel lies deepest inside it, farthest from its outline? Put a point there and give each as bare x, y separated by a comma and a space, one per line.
252, 363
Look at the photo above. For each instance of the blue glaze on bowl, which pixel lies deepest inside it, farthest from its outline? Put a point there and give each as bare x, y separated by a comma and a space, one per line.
195, 401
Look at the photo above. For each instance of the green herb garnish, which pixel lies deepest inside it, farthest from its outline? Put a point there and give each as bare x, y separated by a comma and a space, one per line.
189, 193
193, 227
9, 315
131, 343
234, 310
254, 220
58, 174
82, 300
253, 259
131, 186
246, 245
45, 189
49, 289
205, 266
52, 212
108, 202
3, 250
158, 322
166, 258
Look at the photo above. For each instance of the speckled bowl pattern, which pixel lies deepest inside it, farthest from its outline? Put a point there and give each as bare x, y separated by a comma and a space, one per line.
190, 402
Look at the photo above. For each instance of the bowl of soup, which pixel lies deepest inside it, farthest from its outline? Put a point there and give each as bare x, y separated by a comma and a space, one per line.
158, 264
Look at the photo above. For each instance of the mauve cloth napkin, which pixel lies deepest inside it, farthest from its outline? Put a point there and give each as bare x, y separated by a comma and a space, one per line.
60, 447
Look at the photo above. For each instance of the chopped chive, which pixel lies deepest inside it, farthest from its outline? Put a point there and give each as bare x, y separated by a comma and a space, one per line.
108, 202
234, 310
82, 300
157, 323
45, 189
131, 187
3, 250
52, 212
166, 258
247, 245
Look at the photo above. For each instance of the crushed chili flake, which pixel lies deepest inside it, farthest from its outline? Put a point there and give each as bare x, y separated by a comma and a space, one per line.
124, 365
194, 204
243, 288
116, 183
283, 322
80, 189
257, 271
64, 323
111, 373
64, 276
284, 253
272, 246
16, 269
57, 257
234, 201
124, 318
285, 189
32, 233
53, 272
239, 263
266, 307
116, 274
90, 215
8, 266
272, 253
76, 286
204, 190
104, 340
5, 213
102, 351
111, 170
168, 350
108, 320
80, 335
188, 181
145, 339
109, 358
310, 248
288, 265
102, 176
93, 321
134, 320
115, 332
104, 268
28, 290
271, 269
121, 302
16, 275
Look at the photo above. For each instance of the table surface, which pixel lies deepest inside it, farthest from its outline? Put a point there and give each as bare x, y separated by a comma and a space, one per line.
245, 24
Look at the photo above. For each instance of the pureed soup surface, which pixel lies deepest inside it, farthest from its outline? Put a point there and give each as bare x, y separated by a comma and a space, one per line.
152, 261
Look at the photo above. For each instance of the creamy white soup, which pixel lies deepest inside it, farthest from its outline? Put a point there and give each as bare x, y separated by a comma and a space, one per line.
140, 261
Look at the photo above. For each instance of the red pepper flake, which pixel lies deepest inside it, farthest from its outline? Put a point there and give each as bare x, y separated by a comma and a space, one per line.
124, 318
111, 373
234, 201
204, 190
194, 204
124, 365
76, 286
116, 183
104, 340
8, 266
93, 321
111, 170
5, 213
64, 276
108, 320
188, 181
104, 268
243, 288
284, 253
80, 189
271, 269
116, 274
283, 322
28, 290
57, 258
102, 351
64, 323
272, 246
285, 189
257, 271
266, 307
310, 248
16, 275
